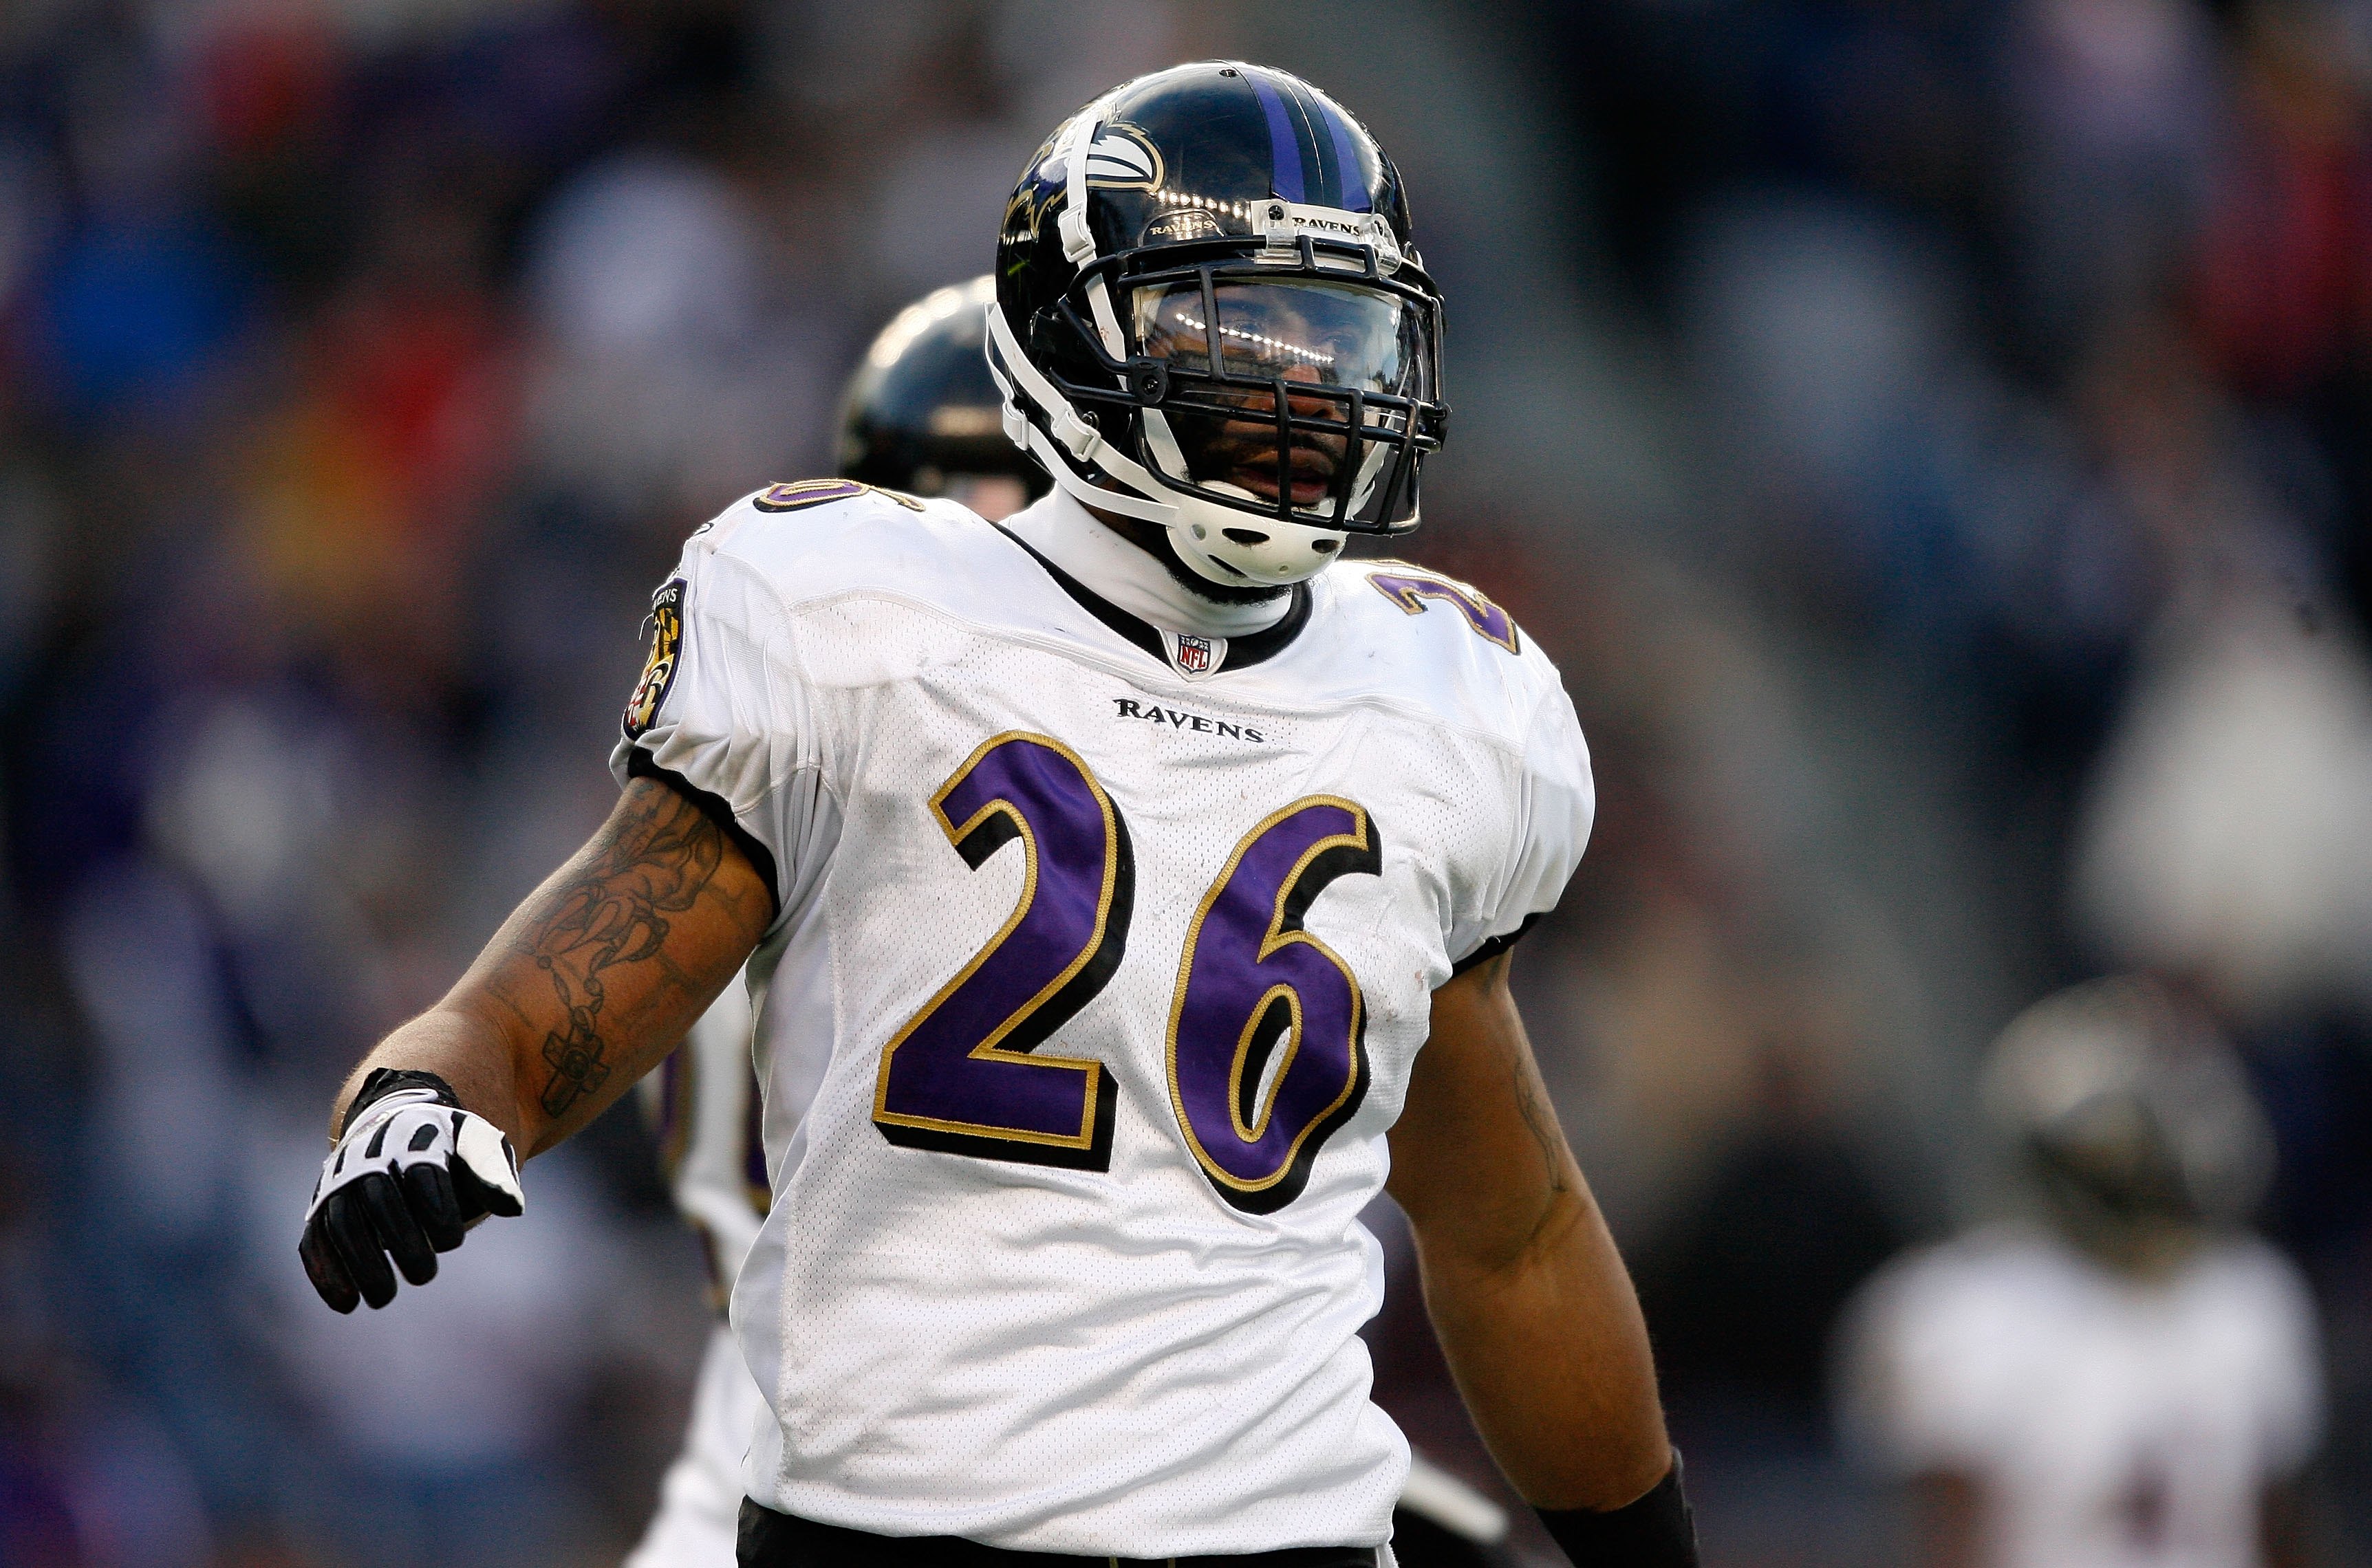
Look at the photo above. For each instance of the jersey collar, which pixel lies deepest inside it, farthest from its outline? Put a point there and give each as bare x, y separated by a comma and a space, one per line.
1184, 654
1058, 527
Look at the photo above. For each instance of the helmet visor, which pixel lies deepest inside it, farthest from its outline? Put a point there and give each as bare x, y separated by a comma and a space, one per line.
1347, 364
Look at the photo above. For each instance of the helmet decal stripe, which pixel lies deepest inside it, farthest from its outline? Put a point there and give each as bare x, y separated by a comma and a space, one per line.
1352, 189
1283, 147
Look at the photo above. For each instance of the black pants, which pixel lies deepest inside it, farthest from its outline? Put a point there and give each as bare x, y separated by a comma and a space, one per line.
784, 1540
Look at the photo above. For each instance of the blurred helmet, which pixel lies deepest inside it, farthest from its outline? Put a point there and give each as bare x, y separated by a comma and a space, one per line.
2131, 1112
922, 415
1211, 315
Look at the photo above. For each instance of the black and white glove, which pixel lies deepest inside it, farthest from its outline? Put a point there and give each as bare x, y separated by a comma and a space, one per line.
411, 1171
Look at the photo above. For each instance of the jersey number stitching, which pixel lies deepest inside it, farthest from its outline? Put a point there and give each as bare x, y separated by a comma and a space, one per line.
1268, 1028
1266, 1043
1489, 621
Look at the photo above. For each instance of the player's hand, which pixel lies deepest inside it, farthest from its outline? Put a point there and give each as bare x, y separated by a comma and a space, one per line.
411, 1171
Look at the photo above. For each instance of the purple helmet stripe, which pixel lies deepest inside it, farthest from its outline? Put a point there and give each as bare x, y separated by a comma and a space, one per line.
1283, 146
1346, 159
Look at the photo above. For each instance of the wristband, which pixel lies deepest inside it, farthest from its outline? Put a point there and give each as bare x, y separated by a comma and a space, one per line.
384, 1081
1654, 1531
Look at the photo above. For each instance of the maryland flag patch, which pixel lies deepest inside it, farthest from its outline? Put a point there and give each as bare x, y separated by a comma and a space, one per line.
658, 671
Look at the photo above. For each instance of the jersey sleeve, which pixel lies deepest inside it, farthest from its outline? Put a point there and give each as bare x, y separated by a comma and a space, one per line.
1556, 804
720, 712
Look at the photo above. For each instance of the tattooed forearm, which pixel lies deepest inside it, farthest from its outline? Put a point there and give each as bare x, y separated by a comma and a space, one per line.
595, 977
648, 865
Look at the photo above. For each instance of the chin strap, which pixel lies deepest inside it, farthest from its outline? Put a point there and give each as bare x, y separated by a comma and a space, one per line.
1078, 141
1082, 442
1073, 440
1078, 238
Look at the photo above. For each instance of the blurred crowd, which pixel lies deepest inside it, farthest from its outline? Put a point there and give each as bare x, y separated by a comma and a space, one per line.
1930, 435
2024, 353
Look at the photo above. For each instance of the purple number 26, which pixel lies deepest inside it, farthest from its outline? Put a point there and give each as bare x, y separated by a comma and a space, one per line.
1266, 1052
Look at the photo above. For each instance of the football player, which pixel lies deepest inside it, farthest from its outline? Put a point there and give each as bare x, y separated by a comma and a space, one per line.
1124, 856
2132, 1381
921, 416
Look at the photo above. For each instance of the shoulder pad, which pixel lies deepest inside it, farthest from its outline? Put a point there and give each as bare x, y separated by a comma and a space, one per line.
800, 495
1415, 590
846, 497
1440, 644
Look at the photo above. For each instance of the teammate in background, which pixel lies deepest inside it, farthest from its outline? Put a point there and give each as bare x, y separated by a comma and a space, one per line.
1126, 856
921, 416
2128, 1380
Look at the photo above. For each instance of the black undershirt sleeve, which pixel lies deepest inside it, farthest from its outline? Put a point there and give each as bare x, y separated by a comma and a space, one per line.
1493, 947
640, 765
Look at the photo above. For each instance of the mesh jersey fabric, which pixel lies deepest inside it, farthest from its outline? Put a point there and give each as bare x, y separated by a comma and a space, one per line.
1054, 1356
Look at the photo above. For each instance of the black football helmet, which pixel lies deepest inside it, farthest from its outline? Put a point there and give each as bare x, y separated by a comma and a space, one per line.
2132, 1116
1211, 314
922, 415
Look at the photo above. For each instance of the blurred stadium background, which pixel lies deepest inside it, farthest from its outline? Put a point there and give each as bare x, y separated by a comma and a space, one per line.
1931, 434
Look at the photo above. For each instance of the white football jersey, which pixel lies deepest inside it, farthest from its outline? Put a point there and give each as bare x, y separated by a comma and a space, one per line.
2110, 1423
1123, 944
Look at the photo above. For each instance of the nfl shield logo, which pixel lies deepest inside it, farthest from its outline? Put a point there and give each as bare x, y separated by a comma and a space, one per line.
1194, 654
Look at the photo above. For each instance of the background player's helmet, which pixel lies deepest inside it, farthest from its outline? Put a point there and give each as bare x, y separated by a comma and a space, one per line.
922, 415
1211, 314
2131, 1112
